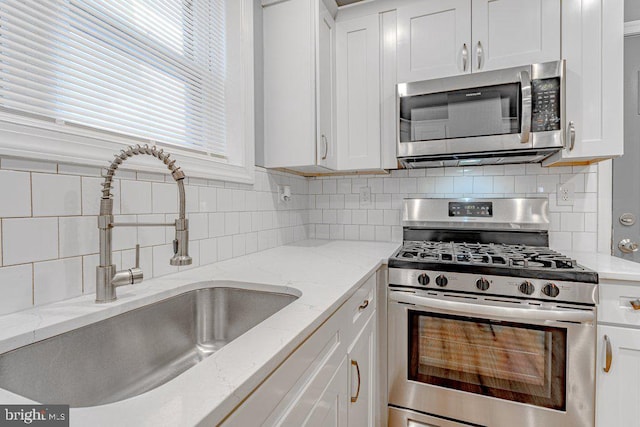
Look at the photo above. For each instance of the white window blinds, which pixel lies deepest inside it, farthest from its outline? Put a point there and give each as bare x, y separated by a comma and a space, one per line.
150, 69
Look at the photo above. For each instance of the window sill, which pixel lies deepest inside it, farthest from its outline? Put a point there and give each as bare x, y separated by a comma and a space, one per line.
26, 138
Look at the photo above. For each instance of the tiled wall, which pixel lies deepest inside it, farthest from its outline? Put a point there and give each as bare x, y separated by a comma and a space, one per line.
49, 235
339, 212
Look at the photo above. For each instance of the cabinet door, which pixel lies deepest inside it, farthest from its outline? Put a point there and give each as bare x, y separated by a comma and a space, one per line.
362, 360
434, 39
593, 46
358, 78
289, 84
508, 33
325, 139
329, 409
617, 391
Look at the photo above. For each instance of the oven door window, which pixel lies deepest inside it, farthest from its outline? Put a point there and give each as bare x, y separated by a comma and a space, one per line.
512, 361
484, 111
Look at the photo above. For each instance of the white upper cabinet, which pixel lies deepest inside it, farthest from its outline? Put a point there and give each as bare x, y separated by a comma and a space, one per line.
434, 39
593, 46
509, 33
325, 138
298, 85
442, 38
358, 93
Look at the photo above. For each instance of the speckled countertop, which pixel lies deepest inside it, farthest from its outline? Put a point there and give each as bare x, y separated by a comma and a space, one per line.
323, 273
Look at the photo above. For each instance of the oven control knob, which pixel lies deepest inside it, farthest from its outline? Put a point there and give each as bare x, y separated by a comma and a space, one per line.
482, 284
441, 281
527, 287
550, 290
423, 279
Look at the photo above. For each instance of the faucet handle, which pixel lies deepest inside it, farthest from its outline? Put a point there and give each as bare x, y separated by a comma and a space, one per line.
137, 256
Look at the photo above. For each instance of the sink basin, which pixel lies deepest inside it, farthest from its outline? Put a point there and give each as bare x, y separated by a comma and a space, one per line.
136, 351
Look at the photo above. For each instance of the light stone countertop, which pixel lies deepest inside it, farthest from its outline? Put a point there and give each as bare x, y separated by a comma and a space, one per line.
323, 273
607, 266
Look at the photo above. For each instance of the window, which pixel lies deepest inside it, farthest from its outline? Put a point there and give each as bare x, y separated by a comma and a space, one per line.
130, 71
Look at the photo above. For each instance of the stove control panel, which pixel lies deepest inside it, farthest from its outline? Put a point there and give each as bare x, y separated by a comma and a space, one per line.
508, 286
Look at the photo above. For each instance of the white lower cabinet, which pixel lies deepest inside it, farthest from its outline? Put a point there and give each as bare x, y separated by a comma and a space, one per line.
618, 391
362, 358
329, 380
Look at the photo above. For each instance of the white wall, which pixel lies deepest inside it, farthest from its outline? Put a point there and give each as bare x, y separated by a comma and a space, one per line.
337, 212
49, 234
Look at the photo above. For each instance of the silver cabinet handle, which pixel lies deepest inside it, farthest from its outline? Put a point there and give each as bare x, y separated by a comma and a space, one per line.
525, 89
627, 246
479, 54
608, 355
571, 135
354, 399
465, 57
326, 147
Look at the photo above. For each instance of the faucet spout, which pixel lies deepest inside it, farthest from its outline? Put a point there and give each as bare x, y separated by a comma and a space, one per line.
107, 278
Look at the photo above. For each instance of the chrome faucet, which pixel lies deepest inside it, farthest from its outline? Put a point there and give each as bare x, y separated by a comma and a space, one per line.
107, 278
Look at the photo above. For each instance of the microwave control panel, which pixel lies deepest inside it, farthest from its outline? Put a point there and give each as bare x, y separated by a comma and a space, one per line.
545, 105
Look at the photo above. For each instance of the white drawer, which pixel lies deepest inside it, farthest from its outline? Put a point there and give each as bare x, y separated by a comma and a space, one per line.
615, 307
361, 304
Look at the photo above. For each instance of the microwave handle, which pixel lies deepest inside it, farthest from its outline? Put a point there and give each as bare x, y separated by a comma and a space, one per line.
525, 85
466, 308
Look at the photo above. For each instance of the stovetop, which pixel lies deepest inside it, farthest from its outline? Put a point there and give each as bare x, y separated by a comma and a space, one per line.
489, 258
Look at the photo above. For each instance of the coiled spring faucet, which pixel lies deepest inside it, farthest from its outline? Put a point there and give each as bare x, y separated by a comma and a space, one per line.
107, 278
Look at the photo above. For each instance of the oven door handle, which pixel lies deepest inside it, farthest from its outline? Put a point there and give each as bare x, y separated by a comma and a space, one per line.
493, 310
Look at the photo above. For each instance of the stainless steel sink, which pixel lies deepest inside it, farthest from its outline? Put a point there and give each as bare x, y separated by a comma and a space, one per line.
136, 351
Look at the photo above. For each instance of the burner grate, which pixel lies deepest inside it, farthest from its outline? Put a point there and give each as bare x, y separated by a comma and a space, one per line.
499, 255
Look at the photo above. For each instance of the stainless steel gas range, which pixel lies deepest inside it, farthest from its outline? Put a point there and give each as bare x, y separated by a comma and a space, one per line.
487, 325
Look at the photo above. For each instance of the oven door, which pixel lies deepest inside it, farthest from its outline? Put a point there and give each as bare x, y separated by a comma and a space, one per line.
492, 361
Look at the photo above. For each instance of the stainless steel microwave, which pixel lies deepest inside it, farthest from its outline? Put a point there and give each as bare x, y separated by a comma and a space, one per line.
514, 115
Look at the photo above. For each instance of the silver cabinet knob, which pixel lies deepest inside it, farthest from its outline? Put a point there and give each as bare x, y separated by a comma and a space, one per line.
627, 246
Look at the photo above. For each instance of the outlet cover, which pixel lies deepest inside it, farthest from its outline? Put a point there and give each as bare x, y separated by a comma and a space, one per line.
566, 194
365, 196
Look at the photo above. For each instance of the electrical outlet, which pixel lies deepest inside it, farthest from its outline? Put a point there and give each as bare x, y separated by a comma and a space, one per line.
365, 196
566, 194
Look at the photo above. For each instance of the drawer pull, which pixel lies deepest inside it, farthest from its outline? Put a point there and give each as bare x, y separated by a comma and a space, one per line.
354, 399
608, 354
365, 304
635, 304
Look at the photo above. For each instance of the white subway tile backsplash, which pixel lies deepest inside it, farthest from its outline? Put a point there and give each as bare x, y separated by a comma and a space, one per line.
78, 235
55, 195
198, 226
67, 200
444, 184
463, 184
164, 198
135, 197
161, 256
16, 288
29, 239
231, 223
15, 194
57, 280
92, 193
381, 219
